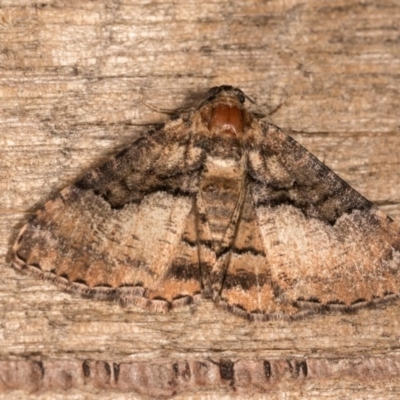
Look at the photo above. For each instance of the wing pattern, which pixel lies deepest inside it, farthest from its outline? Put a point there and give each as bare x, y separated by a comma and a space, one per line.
216, 203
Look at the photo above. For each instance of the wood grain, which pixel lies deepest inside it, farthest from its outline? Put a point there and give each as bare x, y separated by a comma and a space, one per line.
71, 78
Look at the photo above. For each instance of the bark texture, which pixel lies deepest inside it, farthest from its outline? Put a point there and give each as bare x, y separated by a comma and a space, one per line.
72, 77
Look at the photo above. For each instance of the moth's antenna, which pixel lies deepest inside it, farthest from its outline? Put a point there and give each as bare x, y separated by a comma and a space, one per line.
158, 109
263, 113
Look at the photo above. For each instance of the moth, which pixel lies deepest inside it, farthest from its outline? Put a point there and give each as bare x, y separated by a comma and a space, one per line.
216, 203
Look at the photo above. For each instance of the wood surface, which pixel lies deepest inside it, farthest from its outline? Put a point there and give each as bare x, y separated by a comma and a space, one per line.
72, 75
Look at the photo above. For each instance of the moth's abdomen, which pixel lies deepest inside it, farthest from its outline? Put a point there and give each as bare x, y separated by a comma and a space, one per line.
221, 186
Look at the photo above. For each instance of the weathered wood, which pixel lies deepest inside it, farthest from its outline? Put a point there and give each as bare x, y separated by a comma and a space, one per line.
71, 78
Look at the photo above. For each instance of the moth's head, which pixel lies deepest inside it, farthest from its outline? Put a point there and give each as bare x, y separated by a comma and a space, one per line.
226, 91
223, 112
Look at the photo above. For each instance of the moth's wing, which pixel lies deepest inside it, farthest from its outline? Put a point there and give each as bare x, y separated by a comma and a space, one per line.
117, 233
320, 244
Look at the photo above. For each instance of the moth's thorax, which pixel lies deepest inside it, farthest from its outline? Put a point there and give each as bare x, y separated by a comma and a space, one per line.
226, 120
225, 117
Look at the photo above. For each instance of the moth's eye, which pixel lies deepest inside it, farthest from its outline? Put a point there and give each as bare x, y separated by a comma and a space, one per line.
213, 92
240, 95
